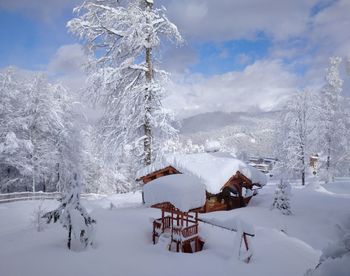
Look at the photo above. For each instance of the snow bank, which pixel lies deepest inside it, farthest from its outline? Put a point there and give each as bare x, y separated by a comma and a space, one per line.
338, 187
183, 191
214, 170
126, 231
336, 267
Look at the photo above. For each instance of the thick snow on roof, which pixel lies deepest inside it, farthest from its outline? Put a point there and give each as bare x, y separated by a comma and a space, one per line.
185, 192
212, 168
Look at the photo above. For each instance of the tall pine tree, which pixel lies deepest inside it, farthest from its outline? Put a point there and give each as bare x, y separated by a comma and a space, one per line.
332, 121
122, 41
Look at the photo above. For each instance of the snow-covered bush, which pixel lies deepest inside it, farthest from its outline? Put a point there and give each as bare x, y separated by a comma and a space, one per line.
37, 217
212, 146
281, 199
74, 217
111, 206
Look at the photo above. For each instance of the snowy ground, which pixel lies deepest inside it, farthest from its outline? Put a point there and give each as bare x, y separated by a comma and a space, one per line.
124, 245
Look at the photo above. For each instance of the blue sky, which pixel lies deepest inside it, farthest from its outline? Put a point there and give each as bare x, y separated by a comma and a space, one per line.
276, 46
30, 44
232, 55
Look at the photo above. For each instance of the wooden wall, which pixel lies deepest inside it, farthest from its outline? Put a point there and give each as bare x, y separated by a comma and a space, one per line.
163, 172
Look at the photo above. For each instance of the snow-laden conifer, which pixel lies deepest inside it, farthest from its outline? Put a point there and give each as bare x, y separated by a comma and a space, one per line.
124, 74
281, 199
333, 135
74, 217
37, 217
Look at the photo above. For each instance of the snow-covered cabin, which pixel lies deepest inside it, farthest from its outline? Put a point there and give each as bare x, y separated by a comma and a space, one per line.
229, 182
263, 164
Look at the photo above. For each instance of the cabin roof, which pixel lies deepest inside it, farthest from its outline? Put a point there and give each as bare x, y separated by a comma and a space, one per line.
213, 169
185, 192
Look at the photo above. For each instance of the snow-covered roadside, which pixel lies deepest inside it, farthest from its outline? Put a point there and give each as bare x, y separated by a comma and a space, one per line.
316, 213
124, 245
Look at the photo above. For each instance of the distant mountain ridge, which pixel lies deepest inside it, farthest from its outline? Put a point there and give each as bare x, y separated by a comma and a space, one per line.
210, 121
243, 133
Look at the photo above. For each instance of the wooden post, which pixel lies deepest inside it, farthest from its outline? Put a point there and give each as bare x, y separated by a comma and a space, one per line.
172, 220
246, 246
245, 241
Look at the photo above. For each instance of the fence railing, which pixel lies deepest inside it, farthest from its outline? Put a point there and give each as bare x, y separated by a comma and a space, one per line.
38, 196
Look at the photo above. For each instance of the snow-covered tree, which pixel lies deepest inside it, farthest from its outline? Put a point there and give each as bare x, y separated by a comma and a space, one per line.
348, 65
15, 149
121, 40
37, 126
296, 133
37, 217
74, 217
282, 197
70, 143
44, 122
16, 167
333, 134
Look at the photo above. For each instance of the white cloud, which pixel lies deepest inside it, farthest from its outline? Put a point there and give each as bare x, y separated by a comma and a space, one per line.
262, 85
69, 58
331, 28
330, 35
67, 66
235, 19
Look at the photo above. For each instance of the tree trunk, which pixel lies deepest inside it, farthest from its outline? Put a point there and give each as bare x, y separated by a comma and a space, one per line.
328, 162
33, 157
148, 102
303, 166
33, 182
69, 236
303, 177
